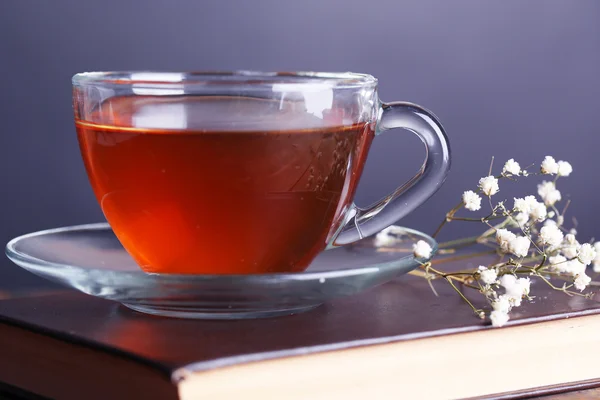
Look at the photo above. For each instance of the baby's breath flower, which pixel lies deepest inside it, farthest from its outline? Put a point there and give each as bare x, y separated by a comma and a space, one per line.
503, 237
549, 166
537, 220
521, 218
502, 304
472, 200
573, 267
383, 240
581, 281
556, 262
531, 201
549, 193
498, 318
387, 237
489, 185
551, 235
538, 212
422, 249
570, 250
487, 276
488, 292
515, 288
564, 168
507, 281
511, 168
521, 205
524, 285
597, 259
519, 246
549, 222
586, 254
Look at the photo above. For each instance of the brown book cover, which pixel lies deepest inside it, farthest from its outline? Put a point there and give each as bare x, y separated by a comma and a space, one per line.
70, 345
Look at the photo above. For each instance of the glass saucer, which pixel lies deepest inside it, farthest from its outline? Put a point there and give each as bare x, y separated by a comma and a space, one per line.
90, 259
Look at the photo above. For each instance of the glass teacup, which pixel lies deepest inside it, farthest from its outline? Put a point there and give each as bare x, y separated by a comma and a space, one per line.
242, 172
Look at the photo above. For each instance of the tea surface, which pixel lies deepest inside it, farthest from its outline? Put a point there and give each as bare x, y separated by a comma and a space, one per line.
228, 199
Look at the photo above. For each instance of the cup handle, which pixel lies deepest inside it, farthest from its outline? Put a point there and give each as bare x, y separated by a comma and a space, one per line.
365, 222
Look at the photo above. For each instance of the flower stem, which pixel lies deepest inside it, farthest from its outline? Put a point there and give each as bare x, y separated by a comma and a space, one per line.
475, 310
458, 242
448, 218
564, 290
476, 219
463, 257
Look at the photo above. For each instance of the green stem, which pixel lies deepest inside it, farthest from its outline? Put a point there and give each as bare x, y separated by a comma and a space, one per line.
458, 242
475, 310
542, 263
476, 219
567, 292
463, 257
448, 217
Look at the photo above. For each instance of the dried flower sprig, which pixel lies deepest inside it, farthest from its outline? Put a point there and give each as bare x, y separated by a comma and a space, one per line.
529, 238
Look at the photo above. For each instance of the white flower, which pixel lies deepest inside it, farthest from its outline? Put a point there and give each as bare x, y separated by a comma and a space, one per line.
549, 166
515, 288
570, 250
531, 201
382, 240
581, 281
573, 231
549, 193
550, 222
560, 220
489, 185
573, 268
551, 214
519, 246
586, 254
556, 262
498, 318
561, 264
503, 237
524, 285
521, 205
472, 200
544, 188
388, 236
422, 249
511, 167
570, 239
564, 168
552, 197
487, 276
521, 218
488, 292
502, 304
551, 235
538, 212
597, 259
507, 281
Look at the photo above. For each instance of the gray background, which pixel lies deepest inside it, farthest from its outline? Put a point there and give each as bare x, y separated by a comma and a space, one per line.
507, 78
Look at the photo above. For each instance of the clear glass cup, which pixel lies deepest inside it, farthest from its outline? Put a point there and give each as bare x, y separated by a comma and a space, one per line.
242, 172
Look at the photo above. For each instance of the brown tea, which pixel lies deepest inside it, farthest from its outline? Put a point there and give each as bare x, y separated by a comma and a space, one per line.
228, 199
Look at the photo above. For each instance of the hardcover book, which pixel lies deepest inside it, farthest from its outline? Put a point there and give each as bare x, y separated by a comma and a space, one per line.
399, 338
